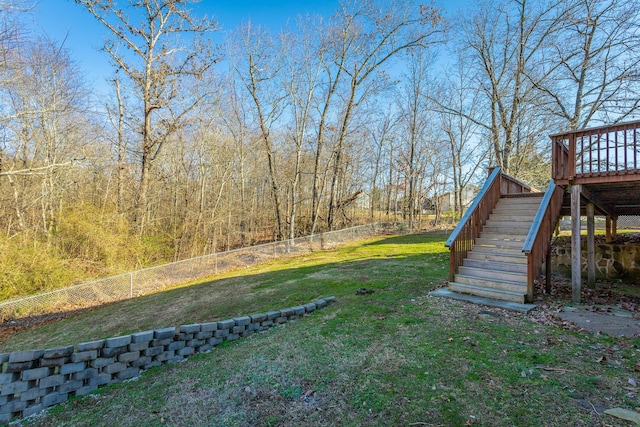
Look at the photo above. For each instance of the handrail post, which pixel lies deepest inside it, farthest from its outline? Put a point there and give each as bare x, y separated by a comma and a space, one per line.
572, 156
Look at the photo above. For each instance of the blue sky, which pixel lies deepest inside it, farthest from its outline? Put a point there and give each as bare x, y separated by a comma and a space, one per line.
83, 35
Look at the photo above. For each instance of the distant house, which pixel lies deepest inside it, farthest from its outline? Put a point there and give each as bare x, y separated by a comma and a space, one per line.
447, 200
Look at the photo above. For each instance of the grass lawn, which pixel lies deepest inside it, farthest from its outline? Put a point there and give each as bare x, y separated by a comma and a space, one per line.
393, 357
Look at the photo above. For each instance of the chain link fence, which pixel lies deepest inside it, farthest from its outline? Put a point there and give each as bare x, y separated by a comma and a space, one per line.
153, 279
626, 223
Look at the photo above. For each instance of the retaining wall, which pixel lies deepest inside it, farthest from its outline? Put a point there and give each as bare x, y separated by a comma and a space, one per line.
33, 380
613, 261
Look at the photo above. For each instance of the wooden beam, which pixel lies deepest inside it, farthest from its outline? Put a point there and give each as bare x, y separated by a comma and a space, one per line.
602, 207
602, 178
576, 264
608, 227
591, 247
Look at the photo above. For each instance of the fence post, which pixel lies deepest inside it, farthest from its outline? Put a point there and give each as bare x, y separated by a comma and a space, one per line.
131, 285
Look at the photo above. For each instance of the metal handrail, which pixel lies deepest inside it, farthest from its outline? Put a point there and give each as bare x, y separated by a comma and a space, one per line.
537, 220
467, 215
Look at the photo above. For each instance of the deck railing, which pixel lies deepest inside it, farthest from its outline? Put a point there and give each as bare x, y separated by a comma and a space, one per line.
461, 240
537, 244
607, 151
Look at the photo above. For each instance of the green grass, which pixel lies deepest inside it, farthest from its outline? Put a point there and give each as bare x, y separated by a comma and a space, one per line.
394, 357
410, 261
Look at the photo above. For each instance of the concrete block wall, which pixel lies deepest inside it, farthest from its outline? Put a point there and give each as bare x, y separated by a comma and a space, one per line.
33, 380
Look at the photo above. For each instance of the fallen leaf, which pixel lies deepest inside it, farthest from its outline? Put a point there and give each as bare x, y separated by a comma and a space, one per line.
601, 359
624, 414
632, 382
450, 339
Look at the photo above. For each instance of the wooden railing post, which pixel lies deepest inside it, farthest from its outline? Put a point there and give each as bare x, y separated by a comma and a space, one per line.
572, 157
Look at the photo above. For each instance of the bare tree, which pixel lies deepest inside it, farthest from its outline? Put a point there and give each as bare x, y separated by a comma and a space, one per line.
151, 54
381, 129
414, 118
301, 79
461, 132
43, 123
503, 41
367, 36
593, 63
258, 66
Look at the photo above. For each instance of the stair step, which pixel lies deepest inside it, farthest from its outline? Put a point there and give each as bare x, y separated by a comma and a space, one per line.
512, 267
484, 273
503, 243
477, 254
515, 207
521, 237
513, 224
509, 217
517, 204
528, 199
531, 195
505, 285
525, 213
517, 297
500, 250
506, 230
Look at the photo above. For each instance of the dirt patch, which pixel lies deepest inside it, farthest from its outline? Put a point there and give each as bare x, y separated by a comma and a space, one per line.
604, 309
609, 324
11, 327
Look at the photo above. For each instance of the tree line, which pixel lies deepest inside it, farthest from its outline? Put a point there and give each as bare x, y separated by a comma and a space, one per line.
368, 114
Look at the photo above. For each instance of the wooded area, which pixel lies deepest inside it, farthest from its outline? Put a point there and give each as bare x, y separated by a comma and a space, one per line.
365, 115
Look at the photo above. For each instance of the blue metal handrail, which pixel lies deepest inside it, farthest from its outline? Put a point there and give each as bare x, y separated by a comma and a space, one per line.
537, 220
473, 207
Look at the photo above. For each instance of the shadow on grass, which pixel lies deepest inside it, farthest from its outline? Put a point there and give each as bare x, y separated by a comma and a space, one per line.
413, 262
411, 239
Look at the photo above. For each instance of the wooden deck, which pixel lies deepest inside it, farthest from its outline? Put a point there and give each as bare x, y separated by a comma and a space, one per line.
605, 162
599, 168
498, 248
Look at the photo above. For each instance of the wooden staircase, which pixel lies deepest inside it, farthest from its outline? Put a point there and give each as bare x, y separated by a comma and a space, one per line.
496, 266
501, 242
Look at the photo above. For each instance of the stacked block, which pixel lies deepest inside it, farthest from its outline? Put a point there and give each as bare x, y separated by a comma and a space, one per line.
33, 380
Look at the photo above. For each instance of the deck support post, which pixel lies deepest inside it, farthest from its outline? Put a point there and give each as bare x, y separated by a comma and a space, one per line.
608, 228
591, 247
576, 264
614, 228
547, 268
